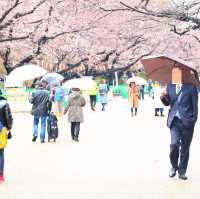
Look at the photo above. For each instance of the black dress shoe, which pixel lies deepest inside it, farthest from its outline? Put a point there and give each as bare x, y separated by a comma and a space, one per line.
76, 139
34, 138
182, 177
172, 172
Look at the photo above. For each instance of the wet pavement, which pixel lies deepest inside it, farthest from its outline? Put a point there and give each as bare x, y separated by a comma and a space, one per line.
118, 157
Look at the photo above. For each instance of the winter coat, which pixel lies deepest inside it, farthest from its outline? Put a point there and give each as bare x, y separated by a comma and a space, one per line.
157, 101
5, 114
75, 103
41, 102
133, 97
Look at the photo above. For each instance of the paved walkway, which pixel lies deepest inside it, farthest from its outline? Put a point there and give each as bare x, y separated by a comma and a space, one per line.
118, 157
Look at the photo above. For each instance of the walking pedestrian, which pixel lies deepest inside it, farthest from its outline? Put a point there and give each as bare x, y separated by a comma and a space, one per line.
93, 96
76, 102
103, 91
158, 105
183, 101
141, 87
133, 97
59, 98
41, 106
150, 90
6, 122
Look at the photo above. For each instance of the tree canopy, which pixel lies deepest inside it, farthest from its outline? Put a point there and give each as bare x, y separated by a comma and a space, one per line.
96, 36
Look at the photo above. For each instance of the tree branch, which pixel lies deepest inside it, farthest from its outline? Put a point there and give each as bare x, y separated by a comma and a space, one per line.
7, 12
174, 29
14, 39
18, 15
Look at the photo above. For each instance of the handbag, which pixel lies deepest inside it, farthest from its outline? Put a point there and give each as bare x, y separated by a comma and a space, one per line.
165, 99
3, 138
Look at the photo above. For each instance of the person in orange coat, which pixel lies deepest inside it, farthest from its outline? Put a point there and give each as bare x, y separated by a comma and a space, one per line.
133, 97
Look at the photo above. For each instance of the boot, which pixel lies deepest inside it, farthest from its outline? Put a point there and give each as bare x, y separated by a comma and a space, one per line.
135, 111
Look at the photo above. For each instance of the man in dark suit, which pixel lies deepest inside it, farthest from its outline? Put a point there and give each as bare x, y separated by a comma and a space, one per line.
183, 113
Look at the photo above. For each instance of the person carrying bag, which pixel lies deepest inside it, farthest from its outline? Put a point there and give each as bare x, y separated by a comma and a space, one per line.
6, 122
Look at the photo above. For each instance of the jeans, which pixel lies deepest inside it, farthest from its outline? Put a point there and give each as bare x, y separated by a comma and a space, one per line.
43, 126
181, 139
141, 94
75, 129
1, 161
159, 109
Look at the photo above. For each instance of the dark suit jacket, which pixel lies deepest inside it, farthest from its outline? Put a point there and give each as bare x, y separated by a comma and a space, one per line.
187, 106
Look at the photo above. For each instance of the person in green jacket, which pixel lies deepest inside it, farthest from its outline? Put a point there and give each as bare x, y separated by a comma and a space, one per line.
93, 96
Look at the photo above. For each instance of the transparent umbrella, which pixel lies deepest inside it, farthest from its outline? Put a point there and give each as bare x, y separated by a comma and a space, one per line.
53, 78
137, 80
81, 83
24, 73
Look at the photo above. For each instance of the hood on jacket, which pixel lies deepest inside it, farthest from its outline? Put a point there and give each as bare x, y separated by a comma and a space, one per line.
75, 94
2, 103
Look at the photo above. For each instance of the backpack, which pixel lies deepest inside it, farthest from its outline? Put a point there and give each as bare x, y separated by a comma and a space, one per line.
102, 90
59, 94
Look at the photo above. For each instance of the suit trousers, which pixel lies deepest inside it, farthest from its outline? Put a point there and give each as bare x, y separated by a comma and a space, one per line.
181, 138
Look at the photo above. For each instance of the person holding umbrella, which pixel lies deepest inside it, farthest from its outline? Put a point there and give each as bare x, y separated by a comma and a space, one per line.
41, 106
182, 97
75, 112
183, 101
133, 97
103, 91
93, 96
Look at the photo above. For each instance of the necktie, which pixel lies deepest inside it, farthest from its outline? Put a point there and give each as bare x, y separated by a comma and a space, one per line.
178, 88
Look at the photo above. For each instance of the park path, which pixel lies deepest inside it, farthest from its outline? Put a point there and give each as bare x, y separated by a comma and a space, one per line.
118, 157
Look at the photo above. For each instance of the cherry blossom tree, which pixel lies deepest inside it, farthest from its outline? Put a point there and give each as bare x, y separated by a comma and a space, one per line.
178, 21
94, 37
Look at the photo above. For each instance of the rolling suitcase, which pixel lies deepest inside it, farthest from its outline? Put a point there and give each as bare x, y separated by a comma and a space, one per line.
52, 127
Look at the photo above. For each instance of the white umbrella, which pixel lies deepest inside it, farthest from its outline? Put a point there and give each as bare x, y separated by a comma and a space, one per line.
137, 80
53, 78
24, 73
81, 83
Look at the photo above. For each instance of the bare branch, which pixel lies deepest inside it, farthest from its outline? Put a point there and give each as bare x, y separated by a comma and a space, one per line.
197, 38
18, 15
7, 12
14, 38
67, 32
174, 29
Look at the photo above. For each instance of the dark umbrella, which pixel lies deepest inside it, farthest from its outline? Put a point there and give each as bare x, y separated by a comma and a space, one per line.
159, 68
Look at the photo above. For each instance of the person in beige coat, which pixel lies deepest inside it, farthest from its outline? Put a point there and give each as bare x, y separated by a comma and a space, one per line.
133, 97
75, 112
